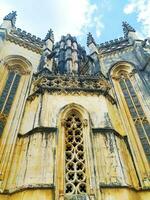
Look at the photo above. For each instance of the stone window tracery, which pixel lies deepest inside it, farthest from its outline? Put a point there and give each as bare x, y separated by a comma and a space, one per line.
75, 170
137, 113
7, 97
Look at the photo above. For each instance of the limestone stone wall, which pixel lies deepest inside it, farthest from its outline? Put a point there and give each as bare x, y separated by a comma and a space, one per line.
32, 194
44, 110
11, 49
33, 163
34, 159
12, 55
113, 161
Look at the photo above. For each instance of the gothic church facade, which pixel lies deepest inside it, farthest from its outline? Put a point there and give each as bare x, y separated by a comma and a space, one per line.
73, 126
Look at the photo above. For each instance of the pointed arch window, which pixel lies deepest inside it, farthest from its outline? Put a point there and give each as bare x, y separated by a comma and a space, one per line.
7, 97
137, 113
75, 169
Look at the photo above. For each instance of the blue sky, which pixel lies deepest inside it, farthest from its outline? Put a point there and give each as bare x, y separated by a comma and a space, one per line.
103, 18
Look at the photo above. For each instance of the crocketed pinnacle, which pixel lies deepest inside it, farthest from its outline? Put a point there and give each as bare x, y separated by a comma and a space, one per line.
50, 35
127, 28
90, 39
12, 17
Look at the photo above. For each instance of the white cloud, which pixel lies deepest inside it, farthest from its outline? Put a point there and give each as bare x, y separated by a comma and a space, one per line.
98, 25
129, 8
63, 16
142, 8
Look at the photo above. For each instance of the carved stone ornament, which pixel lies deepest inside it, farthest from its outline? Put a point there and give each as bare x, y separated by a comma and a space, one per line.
26, 40
72, 83
124, 74
120, 75
131, 74
63, 122
3, 117
85, 123
115, 77
17, 68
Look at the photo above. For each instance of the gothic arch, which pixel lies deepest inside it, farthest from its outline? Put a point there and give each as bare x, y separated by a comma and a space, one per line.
18, 63
73, 136
73, 106
122, 66
13, 69
133, 111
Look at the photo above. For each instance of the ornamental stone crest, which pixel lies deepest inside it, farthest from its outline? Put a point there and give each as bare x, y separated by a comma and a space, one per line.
71, 83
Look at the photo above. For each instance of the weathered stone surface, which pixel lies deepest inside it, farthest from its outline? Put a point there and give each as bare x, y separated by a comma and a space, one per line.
103, 155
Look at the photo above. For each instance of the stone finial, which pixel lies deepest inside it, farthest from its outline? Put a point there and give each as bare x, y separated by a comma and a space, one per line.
11, 17
90, 39
50, 35
127, 28
68, 36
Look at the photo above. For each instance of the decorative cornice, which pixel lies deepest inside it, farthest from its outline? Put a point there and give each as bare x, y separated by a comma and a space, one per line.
113, 45
71, 85
47, 73
38, 130
28, 187
49, 80
106, 130
113, 42
118, 51
120, 186
52, 186
17, 32
26, 44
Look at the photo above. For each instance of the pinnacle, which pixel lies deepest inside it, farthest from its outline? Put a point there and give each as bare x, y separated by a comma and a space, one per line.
127, 28
12, 17
49, 35
90, 39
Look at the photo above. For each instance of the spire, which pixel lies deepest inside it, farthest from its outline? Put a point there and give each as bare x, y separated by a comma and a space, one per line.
50, 35
11, 17
90, 39
127, 28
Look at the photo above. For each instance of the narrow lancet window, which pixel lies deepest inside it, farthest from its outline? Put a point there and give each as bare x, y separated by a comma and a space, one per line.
7, 97
139, 118
75, 170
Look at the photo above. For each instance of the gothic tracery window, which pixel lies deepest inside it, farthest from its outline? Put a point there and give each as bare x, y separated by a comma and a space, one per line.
75, 170
7, 97
137, 113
